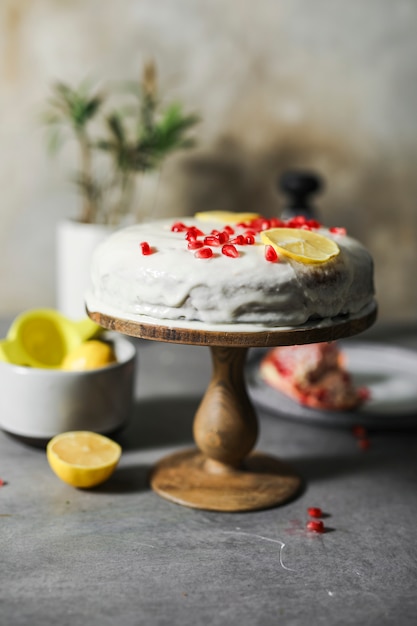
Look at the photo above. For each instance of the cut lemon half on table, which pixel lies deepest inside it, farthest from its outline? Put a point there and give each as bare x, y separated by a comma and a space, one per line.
82, 458
301, 245
227, 217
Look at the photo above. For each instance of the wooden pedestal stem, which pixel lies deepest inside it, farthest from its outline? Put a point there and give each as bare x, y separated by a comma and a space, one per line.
223, 474
225, 425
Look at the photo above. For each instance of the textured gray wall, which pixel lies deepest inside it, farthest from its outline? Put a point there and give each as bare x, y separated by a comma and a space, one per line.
327, 84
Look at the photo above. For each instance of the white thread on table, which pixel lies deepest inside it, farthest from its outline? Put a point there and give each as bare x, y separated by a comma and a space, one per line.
280, 543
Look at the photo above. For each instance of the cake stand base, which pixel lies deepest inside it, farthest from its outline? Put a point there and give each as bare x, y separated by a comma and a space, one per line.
186, 478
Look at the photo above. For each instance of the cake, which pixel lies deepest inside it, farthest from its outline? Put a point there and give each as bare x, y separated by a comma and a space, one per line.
228, 268
314, 375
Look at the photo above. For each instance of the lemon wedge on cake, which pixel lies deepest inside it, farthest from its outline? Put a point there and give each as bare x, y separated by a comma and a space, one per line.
301, 245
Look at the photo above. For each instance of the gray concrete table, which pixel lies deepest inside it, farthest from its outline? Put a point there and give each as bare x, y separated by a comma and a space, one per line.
121, 555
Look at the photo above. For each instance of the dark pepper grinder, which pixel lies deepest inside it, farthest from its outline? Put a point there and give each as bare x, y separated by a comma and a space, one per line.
299, 186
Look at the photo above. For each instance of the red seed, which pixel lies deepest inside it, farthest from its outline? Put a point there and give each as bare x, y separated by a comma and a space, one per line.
2, 483
229, 250
178, 227
193, 233
249, 239
211, 240
222, 236
203, 253
338, 230
229, 230
275, 222
359, 431
194, 244
297, 221
316, 525
238, 241
313, 224
271, 254
145, 247
364, 444
315, 511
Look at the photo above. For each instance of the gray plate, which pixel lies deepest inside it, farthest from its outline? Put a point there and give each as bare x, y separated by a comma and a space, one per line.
390, 373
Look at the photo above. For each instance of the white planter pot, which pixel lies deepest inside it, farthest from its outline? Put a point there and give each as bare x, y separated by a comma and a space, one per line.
75, 245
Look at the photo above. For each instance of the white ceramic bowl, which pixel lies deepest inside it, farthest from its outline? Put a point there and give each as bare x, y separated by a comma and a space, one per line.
40, 403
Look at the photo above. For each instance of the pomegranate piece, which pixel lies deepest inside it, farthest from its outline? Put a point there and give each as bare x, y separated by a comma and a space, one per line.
194, 244
271, 254
229, 250
316, 526
315, 511
203, 253
145, 247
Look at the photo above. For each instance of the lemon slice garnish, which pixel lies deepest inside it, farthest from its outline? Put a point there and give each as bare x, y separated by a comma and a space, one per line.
301, 245
88, 356
226, 217
83, 458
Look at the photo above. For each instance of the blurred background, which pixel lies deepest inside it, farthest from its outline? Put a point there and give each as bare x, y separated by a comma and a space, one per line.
325, 85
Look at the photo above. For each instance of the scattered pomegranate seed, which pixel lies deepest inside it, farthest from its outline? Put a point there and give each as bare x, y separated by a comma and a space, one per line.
276, 223
146, 248
239, 240
316, 525
2, 483
361, 435
178, 227
338, 230
211, 240
297, 221
203, 253
229, 230
359, 431
364, 443
194, 244
249, 239
193, 233
315, 511
271, 254
229, 250
313, 224
223, 237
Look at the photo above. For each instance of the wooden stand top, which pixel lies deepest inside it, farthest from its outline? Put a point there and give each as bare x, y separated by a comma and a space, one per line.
237, 335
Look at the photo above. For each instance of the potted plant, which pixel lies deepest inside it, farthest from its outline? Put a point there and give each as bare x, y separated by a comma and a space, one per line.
119, 136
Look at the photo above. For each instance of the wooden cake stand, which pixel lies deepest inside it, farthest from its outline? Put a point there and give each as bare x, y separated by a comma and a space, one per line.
222, 474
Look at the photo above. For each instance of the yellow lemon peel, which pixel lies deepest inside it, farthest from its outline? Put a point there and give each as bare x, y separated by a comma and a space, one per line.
226, 217
89, 355
301, 245
82, 458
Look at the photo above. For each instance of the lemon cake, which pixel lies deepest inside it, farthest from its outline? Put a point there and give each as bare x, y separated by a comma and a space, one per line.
229, 268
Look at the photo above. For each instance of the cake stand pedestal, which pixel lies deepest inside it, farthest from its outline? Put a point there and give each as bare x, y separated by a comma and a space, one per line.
223, 474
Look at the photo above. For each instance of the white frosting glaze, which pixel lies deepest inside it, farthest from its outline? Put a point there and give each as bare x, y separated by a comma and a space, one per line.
172, 284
